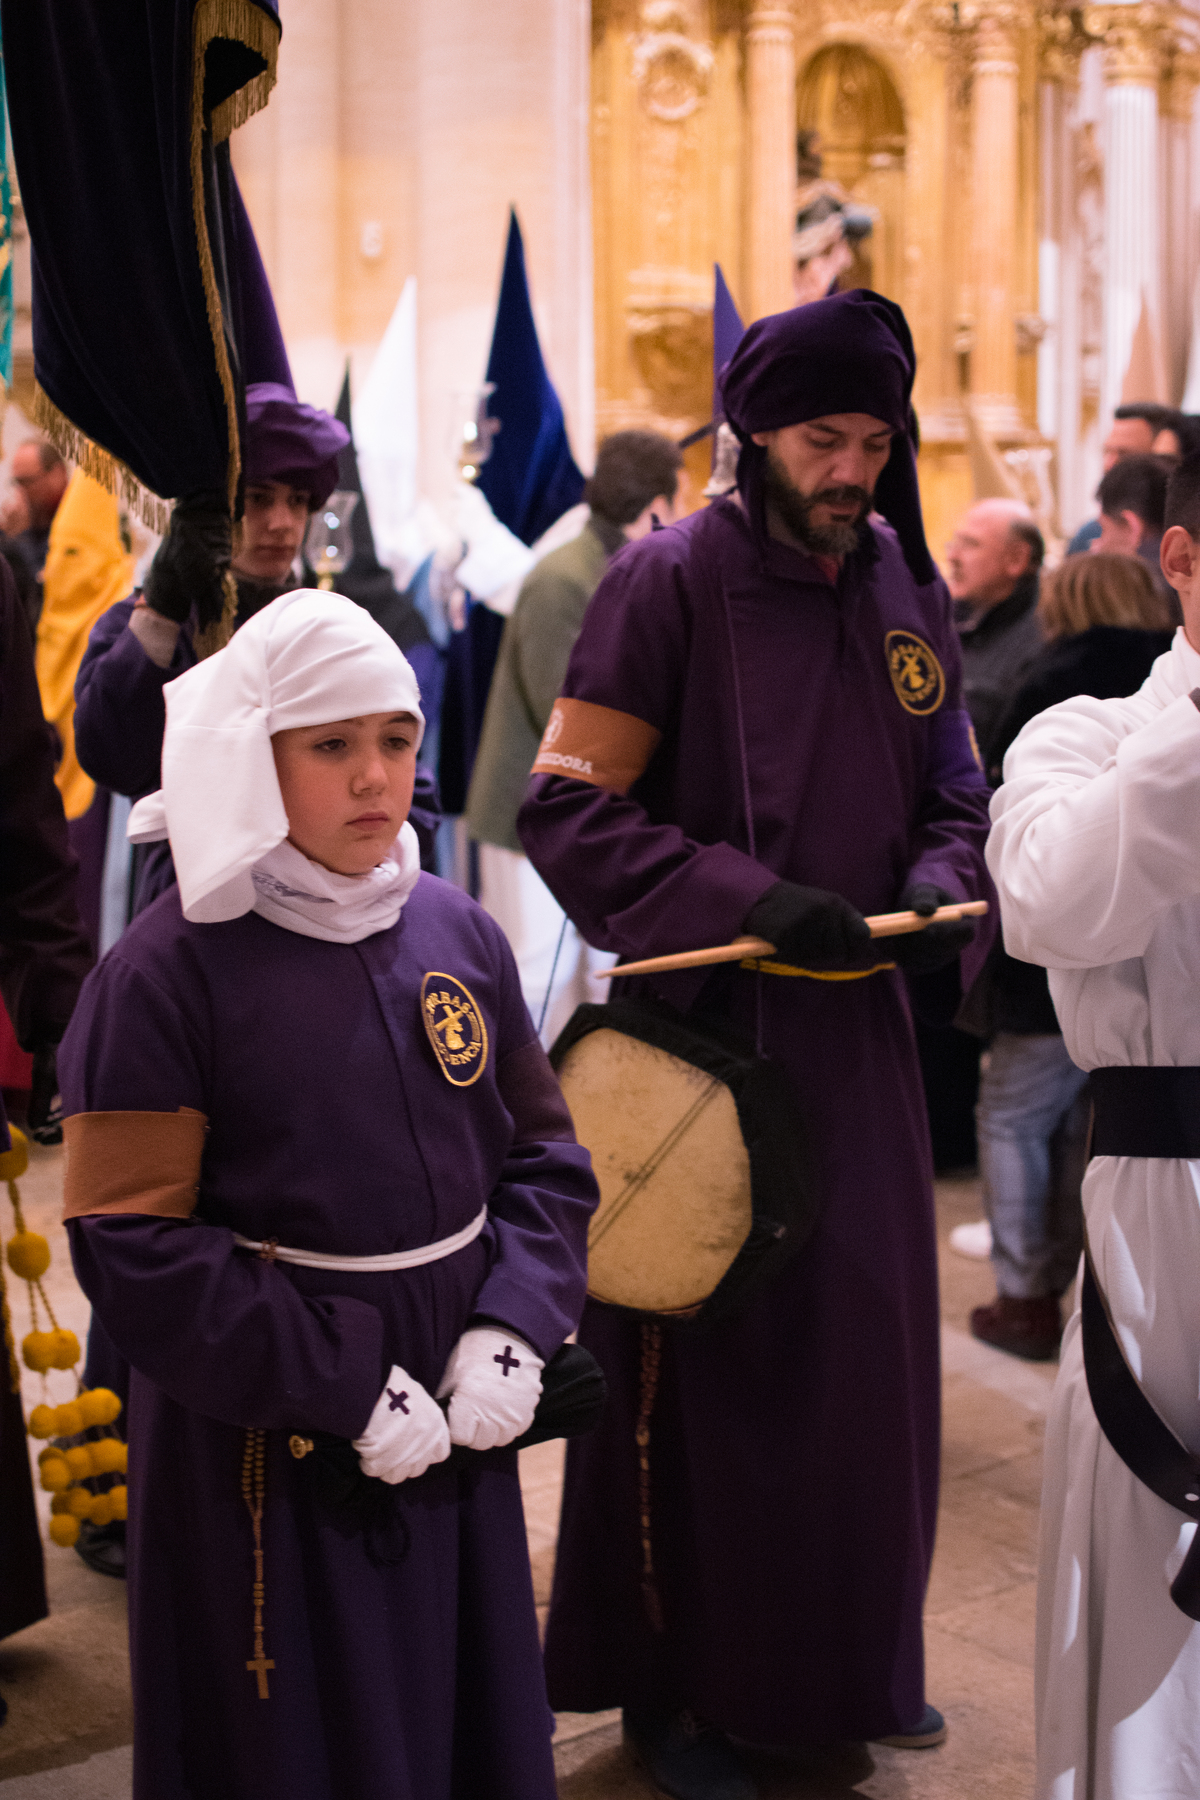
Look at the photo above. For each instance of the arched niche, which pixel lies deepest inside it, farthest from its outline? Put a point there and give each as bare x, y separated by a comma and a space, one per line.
847, 96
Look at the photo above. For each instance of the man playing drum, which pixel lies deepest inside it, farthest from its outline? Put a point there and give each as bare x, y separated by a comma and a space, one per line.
762, 732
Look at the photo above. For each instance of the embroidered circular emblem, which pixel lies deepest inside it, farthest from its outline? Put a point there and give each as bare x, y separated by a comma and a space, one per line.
915, 671
455, 1028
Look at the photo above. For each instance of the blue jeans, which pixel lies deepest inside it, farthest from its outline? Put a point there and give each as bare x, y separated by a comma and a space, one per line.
1032, 1123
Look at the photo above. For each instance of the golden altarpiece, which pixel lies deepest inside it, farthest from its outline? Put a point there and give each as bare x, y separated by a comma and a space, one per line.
954, 123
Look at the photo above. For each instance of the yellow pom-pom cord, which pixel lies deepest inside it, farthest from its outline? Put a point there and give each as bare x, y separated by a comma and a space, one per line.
99, 1406
14, 1162
79, 1461
68, 1420
42, 1423
119, 1497
100, 1512
38, 1350
55, 1474
28, 1255
64, 1530
66, 1349
109, 1456
81, 1502
61, 1503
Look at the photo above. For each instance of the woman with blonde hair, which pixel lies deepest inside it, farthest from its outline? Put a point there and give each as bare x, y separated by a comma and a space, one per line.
1105, 623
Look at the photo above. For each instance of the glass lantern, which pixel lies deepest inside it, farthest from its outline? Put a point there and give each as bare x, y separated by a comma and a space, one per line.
329, 546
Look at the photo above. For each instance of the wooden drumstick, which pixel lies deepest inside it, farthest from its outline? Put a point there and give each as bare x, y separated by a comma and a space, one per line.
750, 949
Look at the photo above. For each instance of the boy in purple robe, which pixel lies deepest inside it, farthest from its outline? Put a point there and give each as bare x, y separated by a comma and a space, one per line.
142, 643
762, 732
320, 1178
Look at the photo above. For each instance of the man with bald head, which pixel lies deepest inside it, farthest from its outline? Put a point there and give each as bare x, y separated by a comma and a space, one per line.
993, 563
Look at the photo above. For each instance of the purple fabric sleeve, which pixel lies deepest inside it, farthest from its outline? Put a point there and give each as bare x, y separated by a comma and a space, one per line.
217, 1330
629, 883
540, 1207
223, 1333
120, 714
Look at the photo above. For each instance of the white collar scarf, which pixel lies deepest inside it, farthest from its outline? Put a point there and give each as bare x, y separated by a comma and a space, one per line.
297, 893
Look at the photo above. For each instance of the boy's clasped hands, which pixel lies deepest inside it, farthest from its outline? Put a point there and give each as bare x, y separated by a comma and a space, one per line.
493, 1381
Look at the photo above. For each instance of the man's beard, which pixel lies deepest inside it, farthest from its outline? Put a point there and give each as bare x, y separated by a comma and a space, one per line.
840, 536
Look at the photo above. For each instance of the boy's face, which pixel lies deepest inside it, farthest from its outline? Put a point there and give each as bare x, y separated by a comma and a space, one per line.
1179, 555
347, 787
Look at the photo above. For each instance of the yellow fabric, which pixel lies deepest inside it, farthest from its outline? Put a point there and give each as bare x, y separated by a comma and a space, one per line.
88, 569
766, 967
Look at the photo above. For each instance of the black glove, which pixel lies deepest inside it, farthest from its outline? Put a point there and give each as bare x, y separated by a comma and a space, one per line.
921, 952
45, 1102
190, 564
808, 925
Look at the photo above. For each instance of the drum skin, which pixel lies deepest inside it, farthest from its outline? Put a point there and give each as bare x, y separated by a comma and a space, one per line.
674, 1174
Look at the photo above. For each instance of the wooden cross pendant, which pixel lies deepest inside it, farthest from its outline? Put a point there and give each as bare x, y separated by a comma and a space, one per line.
259, 1666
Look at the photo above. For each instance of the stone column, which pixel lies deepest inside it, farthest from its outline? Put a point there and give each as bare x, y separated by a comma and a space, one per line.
771, 122
1059, 260
1176, 95
994, 176
1132, 38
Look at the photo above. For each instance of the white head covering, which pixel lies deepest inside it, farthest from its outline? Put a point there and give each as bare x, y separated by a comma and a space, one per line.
306, 659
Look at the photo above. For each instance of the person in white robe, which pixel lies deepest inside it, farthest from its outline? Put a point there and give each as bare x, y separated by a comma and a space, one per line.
1095, 850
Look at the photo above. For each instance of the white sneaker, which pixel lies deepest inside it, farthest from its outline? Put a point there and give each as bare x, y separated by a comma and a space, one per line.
974, 1240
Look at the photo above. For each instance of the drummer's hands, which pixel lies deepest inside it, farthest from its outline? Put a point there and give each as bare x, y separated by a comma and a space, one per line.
808, 925
494, 1381
405, 1433
921, 952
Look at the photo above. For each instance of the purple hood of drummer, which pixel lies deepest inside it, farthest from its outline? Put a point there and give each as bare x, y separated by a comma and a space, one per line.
850, 353
290, 442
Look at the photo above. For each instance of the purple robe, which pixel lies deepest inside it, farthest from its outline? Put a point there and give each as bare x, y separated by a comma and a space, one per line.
331, 1128
795, 1449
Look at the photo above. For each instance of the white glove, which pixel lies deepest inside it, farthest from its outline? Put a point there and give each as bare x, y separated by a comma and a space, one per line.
494, 1380
405, 1433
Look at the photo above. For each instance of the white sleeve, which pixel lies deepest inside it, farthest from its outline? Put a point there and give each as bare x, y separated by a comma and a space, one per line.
1096, 830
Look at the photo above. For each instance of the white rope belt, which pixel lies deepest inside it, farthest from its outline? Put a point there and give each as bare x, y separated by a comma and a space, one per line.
367, 1265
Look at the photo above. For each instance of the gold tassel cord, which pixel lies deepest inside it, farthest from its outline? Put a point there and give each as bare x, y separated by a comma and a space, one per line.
214, 637
242, 22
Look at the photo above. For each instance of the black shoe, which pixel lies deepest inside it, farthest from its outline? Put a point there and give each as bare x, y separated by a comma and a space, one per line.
1030, 1329
929, 1731
102, 1547
687, 1758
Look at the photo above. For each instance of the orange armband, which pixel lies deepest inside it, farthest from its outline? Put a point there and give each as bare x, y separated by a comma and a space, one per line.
133, 1162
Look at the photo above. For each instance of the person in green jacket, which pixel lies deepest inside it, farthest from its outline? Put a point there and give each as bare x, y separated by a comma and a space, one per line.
635, 487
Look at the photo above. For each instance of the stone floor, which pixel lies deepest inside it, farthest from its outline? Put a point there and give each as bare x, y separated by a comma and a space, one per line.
69, 1723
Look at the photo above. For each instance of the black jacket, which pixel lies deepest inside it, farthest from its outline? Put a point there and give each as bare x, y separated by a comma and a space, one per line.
1106, 662
996, 654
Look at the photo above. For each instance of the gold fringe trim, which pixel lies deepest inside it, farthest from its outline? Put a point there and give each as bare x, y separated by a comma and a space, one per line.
245, 24
100, 464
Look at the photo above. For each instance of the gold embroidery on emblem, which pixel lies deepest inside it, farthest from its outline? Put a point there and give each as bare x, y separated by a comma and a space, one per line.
455, 1028
915, 671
